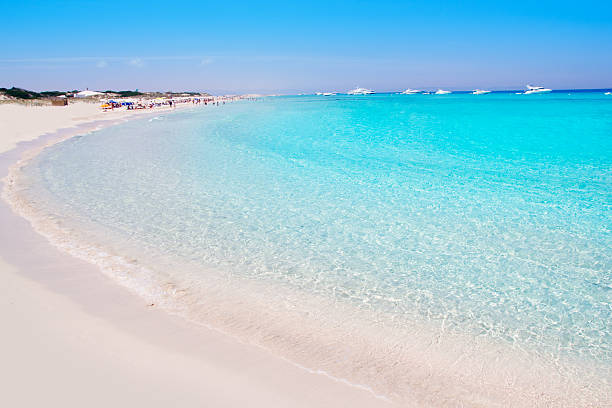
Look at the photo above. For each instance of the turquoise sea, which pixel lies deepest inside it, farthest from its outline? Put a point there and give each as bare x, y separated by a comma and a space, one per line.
483, 219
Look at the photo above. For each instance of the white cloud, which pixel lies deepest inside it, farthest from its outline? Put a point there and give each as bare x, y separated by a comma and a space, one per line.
207, 60
102, 64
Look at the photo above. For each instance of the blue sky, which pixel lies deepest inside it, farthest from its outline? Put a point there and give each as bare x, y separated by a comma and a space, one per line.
288, 47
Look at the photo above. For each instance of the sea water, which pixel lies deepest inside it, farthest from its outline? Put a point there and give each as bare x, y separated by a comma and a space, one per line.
482, 217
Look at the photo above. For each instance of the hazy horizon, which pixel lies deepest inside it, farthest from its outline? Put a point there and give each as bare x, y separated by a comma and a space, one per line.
298, 92
321, 46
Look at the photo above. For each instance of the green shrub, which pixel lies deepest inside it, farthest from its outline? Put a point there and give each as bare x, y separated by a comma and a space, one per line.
20, 93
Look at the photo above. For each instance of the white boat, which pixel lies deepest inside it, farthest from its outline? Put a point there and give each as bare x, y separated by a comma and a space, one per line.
480, 92
608, 93
360, 91
411, 91
318, 93
329, 93
536, 89
442, 92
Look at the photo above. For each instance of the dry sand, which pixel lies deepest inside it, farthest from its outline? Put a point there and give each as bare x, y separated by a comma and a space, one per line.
73, 338
19, 122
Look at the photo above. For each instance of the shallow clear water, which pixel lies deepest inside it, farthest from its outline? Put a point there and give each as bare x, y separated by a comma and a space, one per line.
489, 213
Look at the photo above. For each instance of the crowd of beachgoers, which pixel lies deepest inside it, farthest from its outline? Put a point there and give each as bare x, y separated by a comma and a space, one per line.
143, 103
112, 100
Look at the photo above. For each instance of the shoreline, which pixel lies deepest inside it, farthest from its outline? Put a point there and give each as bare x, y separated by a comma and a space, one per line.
93, 126
66, 323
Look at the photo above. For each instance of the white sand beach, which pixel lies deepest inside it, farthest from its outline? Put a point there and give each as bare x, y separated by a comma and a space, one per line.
71, 337
19, 122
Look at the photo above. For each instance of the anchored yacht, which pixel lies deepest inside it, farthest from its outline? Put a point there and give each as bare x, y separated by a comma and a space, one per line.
536, 89
480, 92
442, 92
360, 91
411, 91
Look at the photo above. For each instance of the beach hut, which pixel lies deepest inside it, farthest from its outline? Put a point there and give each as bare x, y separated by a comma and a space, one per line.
59, 101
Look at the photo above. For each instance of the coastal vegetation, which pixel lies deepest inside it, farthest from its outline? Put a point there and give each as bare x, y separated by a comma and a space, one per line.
16, 94
125, 94
19, 93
